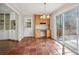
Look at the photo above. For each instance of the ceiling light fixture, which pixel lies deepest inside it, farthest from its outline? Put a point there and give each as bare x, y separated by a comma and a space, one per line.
45, 15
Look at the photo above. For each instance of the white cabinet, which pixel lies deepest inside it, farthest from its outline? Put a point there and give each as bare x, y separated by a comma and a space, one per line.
41, 27
12, 34
7, 27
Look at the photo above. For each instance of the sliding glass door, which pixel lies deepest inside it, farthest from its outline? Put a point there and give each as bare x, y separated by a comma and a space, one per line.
67, 25
59, 27
78, 29
70, 30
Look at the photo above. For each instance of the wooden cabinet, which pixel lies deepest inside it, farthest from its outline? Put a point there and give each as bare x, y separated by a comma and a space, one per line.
37, 33
39, 21
48, 33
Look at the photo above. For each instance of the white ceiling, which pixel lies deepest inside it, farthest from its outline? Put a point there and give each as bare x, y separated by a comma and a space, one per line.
4, 8
35, 8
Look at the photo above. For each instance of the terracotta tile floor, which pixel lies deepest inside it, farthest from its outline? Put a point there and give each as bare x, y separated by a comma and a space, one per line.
5, 45
31, 46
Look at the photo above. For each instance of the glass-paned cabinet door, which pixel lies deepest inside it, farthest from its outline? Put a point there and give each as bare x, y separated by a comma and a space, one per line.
1, 21
7, 21
13, 24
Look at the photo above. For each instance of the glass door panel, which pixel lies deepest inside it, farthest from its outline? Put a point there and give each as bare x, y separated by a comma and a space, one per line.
1, 26
1, 21
78, 29
59, 23
7, 21
70, 34
13, 32
13, 24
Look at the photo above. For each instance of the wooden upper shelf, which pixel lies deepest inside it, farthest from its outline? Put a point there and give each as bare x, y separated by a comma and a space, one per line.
39, 21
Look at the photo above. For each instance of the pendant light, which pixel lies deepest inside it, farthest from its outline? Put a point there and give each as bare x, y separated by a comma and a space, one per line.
45, 15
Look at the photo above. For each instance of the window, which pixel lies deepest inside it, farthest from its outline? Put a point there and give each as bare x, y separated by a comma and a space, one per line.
28, 23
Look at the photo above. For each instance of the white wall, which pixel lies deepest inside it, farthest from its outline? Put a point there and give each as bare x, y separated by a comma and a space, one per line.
19, 27
53, 27
28, 32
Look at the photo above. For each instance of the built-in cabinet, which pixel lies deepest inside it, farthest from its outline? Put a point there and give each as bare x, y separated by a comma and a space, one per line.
42, 27
7, 26
1, 21
6, 23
